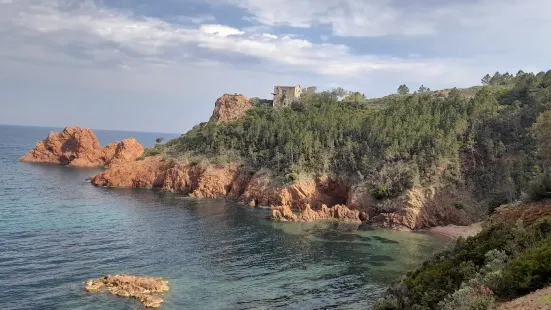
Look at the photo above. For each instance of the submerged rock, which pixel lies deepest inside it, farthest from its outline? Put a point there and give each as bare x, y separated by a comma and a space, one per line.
79, 147
145, 289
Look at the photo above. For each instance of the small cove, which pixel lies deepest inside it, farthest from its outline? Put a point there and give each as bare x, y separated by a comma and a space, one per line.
57, 231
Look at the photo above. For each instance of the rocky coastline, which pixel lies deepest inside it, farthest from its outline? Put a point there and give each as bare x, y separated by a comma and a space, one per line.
322, 198
418, 208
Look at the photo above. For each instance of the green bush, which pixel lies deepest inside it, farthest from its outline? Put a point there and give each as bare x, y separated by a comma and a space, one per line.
508, 262
528, 272
540, 187
292, 177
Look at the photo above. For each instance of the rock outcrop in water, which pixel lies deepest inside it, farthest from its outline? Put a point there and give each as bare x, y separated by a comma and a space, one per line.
416, 209
229, 108
335, 213
145, 289
79, 147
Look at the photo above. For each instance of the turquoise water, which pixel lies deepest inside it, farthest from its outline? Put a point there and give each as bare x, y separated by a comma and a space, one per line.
57, 231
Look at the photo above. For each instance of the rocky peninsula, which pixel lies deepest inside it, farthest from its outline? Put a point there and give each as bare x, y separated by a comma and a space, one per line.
321, 198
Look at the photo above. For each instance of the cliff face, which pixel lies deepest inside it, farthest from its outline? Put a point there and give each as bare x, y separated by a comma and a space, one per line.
416, 209
229, 108
421, 208
80, 147
335, 213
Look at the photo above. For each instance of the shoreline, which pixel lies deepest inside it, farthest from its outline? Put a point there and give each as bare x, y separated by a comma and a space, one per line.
455, 231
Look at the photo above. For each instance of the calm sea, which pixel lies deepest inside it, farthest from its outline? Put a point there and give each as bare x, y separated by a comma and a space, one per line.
57, 231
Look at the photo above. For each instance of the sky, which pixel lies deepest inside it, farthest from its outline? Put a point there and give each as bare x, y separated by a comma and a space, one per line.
160, 65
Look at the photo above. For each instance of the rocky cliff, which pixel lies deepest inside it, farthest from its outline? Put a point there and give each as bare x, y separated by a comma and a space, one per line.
229, 108
79, 147
206, 180
416, 209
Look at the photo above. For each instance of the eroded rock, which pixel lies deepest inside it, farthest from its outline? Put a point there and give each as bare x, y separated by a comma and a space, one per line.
230, 108
335, 213
145, 289
417, 208
79, 147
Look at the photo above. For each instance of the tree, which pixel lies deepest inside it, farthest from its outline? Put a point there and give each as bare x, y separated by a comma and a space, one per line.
542, 133
255, 101
339, 92
423, 89
486, 79
403, 90
355, 97
160, 139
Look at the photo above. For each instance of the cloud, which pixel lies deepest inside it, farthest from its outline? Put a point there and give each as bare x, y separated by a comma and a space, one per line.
220, 30
190, 59
346, 17
121, 37
476, 23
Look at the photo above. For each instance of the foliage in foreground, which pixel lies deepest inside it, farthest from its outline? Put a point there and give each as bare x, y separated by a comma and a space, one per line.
500, 263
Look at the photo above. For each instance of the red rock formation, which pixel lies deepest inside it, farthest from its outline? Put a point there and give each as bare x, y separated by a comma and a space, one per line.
148, 173
335, 213
229, 108
79, 147
145, 289
425, 208
416, 209
127, 150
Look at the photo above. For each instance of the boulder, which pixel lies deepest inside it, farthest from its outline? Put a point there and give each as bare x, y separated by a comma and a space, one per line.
145, 289
79, 147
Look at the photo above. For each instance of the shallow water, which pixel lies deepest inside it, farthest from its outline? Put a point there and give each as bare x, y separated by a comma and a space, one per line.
57, 231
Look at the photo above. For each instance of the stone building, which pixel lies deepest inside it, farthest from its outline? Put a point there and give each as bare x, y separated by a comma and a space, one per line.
285, 95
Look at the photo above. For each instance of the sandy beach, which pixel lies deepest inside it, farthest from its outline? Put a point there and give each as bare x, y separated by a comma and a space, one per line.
454, 231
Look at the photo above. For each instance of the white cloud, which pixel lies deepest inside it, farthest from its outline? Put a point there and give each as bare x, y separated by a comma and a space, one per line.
346, 17
482, 19
220, 30
81, 43
117, 36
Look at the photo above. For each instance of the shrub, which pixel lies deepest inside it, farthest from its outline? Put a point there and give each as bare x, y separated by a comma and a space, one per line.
540, 187
292, 177
529, 271
386, 304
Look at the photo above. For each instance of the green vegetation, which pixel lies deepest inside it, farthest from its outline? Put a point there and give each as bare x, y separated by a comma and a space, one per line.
403, 89
504, 155
484, 138
160, 139
492, 140
500, 263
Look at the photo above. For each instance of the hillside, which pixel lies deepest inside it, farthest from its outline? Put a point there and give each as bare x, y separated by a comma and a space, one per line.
478, 140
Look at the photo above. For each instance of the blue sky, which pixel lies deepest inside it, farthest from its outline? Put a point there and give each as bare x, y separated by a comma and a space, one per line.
160, 65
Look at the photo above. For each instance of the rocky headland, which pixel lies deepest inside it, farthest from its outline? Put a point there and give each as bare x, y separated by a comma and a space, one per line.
323, 198
146, 289
79, 147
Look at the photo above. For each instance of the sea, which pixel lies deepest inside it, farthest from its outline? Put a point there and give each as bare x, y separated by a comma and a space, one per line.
57, 231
